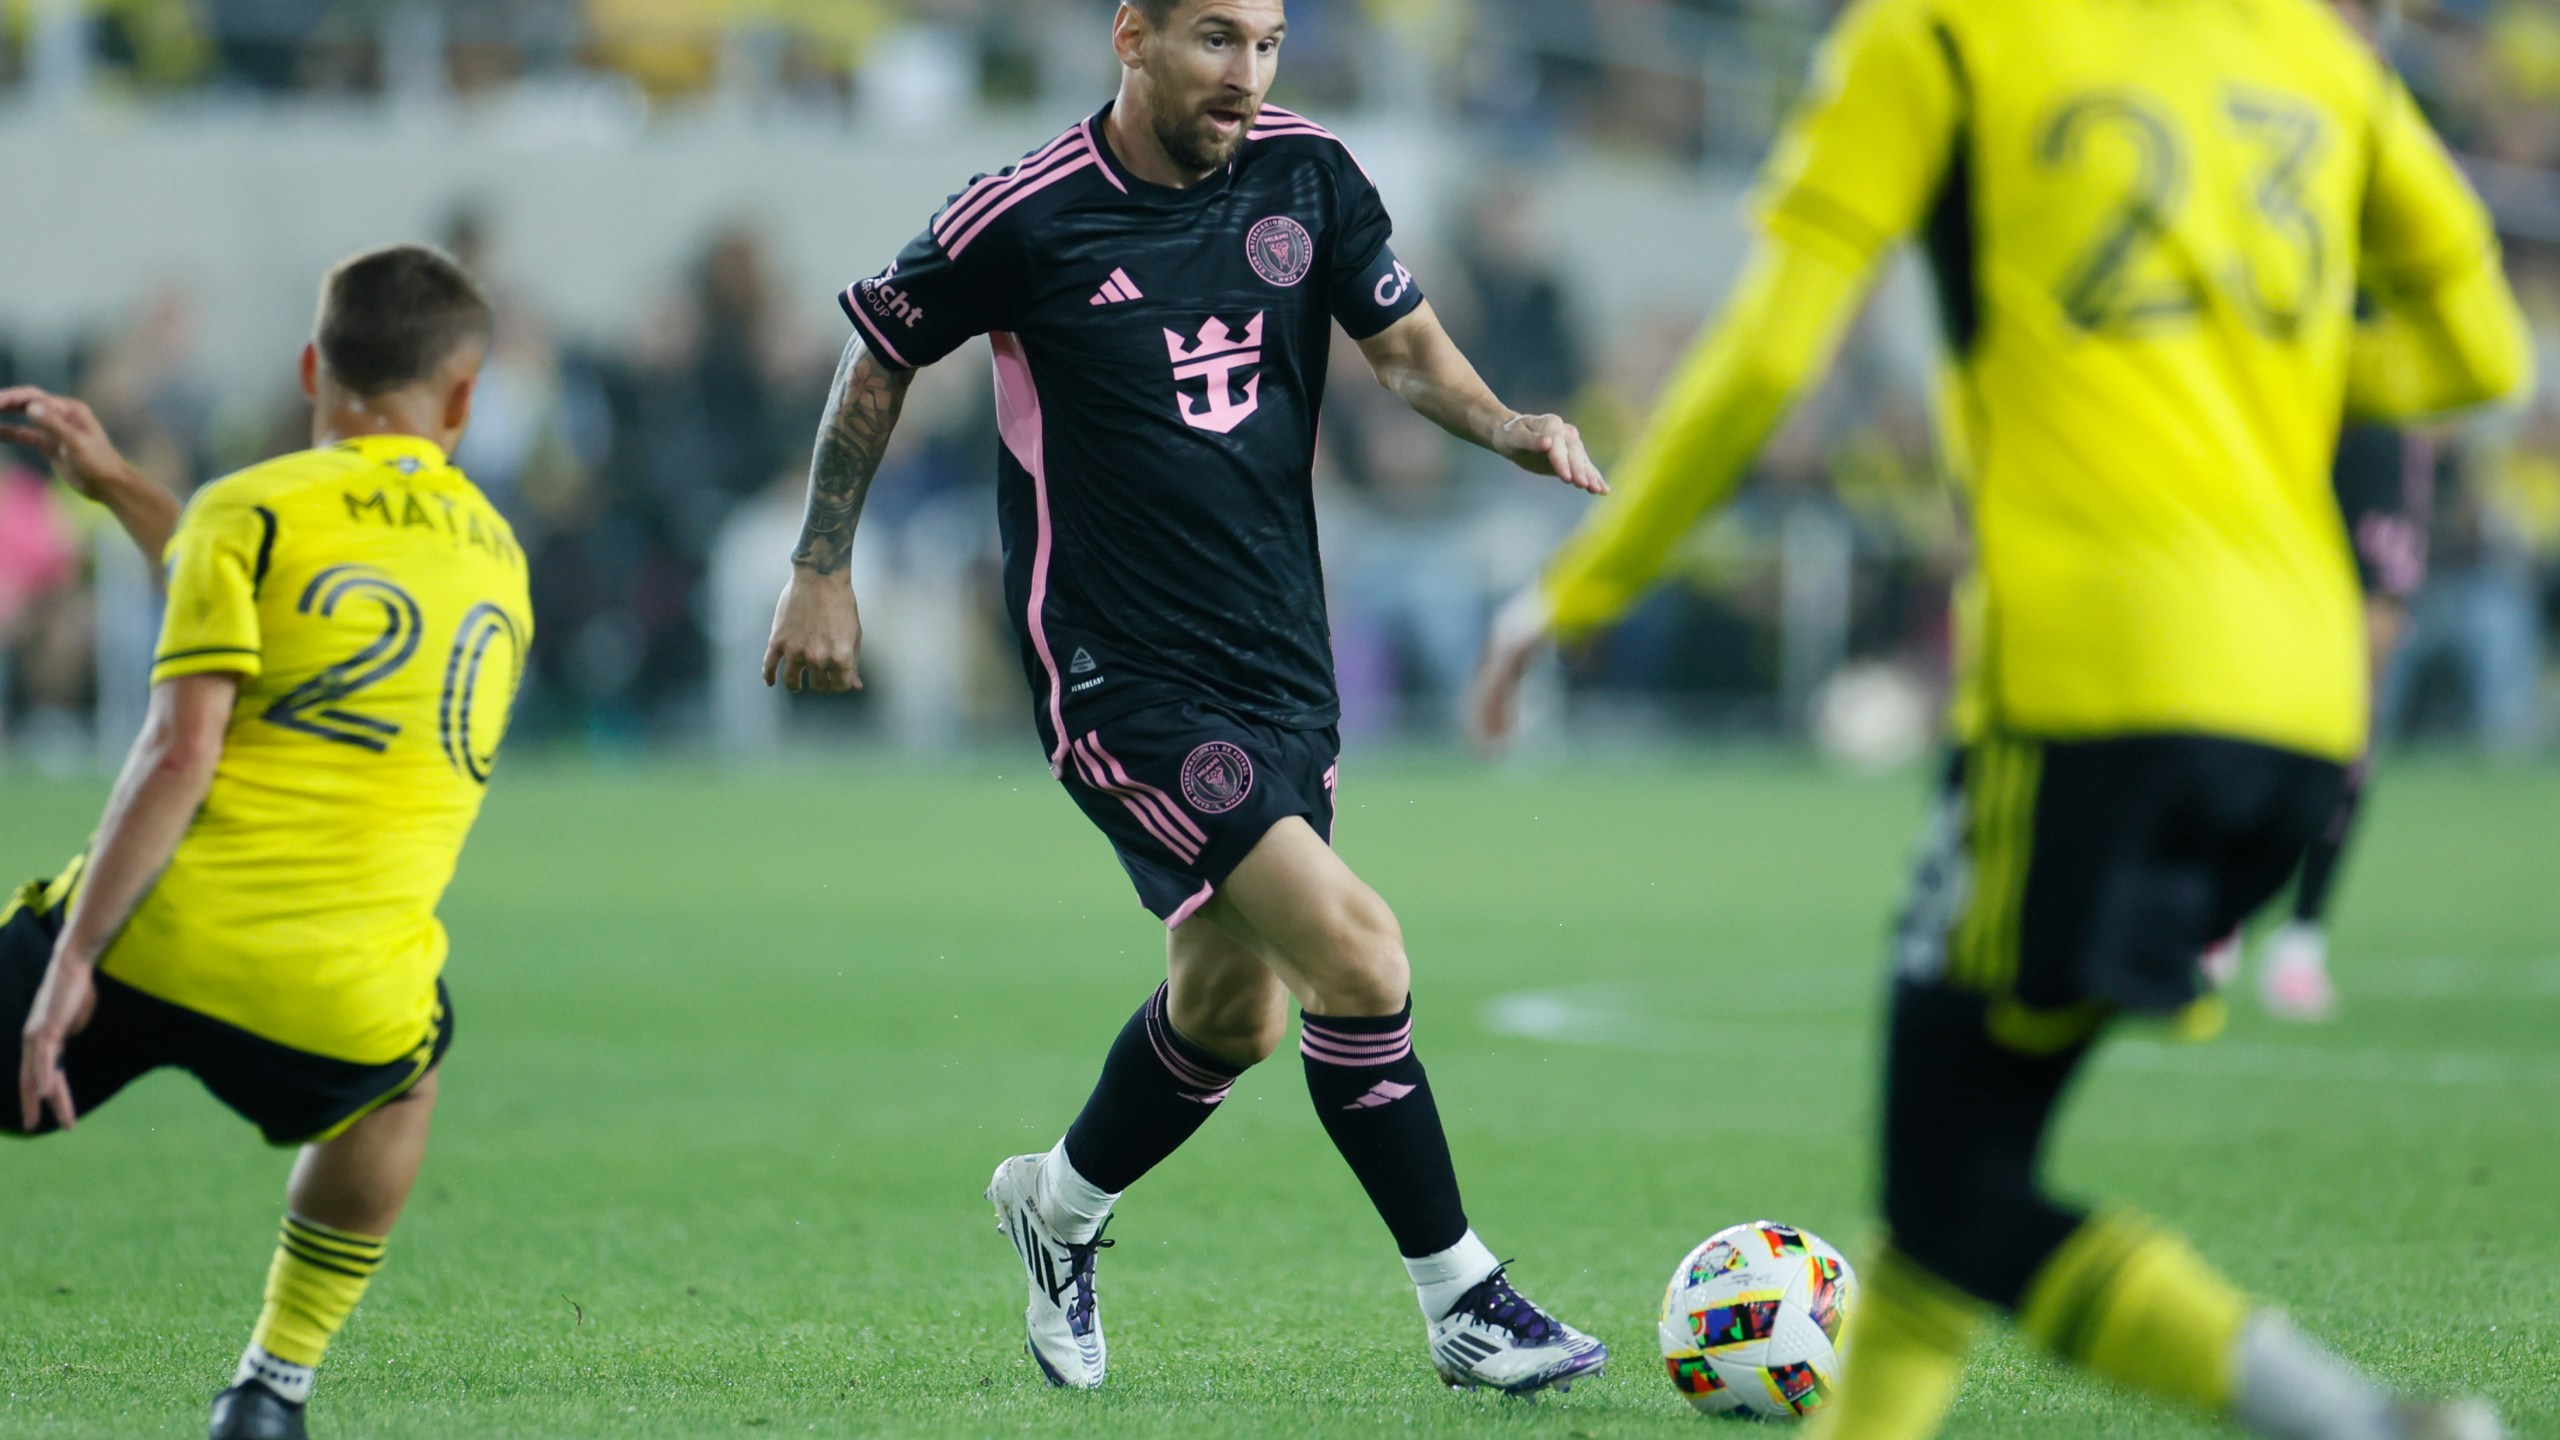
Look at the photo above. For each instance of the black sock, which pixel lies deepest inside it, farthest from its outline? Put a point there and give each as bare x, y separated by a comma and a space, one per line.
1965, 1119
2320, 866
1375, 1102
1156, 1089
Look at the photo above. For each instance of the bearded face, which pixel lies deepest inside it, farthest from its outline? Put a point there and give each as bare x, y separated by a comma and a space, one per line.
1209, 66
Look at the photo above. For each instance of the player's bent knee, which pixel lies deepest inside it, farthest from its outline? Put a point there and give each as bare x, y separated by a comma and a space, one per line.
1364, 970
1986, 1229
1242, 1029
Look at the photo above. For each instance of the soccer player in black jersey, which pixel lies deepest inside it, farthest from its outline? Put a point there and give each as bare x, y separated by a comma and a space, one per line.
2386, 494
1161, 283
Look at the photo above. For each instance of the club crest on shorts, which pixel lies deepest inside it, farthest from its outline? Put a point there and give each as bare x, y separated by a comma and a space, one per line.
1281, 250
1216, 778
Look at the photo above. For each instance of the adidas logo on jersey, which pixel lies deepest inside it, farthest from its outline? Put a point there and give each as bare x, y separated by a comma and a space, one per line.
1118, 290
1082, 664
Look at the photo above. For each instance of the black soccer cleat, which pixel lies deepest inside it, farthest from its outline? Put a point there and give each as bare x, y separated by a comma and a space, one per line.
251, 1411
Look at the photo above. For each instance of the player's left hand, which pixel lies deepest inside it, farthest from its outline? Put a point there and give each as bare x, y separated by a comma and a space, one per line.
1520, 631
67, 434
1547, 445
62, 1009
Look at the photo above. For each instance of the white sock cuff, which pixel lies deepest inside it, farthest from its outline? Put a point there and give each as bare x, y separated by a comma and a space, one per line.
1440, 1279
1074, 1204
2290, 1387
287, 1379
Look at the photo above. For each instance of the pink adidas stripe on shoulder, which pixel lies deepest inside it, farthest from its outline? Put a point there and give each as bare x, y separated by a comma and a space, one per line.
985, 192
1278, 124
987, 187
1015, 197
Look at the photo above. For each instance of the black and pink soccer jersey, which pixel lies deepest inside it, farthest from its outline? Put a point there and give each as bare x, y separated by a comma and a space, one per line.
1160, 360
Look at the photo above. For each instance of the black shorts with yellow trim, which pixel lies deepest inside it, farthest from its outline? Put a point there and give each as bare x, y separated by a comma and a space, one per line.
2067, 880
292, 1096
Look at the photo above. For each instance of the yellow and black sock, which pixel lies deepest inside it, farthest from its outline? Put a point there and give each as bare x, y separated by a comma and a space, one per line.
318, 1276
2138, 1305
1903, 1356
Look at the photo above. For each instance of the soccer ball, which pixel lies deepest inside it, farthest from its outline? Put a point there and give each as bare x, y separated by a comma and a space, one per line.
1751, 1324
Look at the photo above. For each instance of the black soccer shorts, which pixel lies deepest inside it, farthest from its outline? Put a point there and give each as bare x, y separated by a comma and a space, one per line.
1185, 791
2075, 878
292, 1096
2386, 494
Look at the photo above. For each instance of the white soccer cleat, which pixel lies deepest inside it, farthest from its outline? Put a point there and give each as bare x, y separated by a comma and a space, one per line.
2293, 983
1496, 1340
1063, 1322
2449, 1420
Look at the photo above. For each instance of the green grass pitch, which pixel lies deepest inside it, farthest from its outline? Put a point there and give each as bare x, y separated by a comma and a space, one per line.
737, 1053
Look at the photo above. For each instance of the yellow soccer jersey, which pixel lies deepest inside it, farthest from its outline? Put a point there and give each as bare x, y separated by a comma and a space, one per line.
2149, 219
374, 605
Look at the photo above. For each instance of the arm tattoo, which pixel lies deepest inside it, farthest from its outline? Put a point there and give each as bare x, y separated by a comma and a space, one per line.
862, 409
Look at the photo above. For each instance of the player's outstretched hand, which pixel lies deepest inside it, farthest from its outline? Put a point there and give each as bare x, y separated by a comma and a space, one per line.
817, 635
1547, 445
62, 1008
1493, 701
67, 434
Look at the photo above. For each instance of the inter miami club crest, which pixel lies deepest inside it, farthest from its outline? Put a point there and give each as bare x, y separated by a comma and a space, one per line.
1281, 250
1217, 777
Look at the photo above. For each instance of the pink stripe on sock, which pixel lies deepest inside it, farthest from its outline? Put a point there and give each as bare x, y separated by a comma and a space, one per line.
1315, 1049
1347, 1048
1182, 1069
1380, 1045
1340, 1036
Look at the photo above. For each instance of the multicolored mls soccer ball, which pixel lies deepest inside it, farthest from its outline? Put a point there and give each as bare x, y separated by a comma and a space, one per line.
1751, 1324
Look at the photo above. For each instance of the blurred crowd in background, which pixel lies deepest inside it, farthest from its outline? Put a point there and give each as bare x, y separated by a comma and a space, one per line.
654, 474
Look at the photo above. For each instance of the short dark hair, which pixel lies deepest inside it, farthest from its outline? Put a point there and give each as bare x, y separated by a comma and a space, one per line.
392, 317
1157, 11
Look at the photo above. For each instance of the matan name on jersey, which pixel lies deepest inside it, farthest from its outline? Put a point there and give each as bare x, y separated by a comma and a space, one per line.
461, 525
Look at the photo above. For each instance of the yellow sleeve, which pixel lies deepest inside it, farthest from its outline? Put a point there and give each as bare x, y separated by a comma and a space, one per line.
1780, 330
1854, 174
2447, 332
1865, 152
216, 562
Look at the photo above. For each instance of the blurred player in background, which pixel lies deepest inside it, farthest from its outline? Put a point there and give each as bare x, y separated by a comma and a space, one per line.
344, 632
1162, 282
2386, 489
2149, 224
